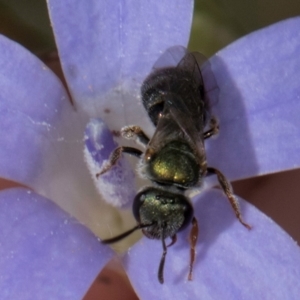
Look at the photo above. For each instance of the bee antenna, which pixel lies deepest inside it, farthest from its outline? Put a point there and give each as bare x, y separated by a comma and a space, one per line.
163, 258
125, 234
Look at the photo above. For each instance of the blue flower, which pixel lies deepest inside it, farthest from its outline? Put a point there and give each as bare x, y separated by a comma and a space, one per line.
106, 50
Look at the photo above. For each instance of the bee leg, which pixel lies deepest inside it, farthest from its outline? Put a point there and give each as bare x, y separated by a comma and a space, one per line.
116, 154
227, 189
174, 240
214, 128
193, 241
134, 132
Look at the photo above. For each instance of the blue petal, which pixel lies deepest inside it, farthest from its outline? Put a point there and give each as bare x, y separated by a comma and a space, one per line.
110, 46
259, 105
45, 253
231, 262
32, 103
41, 138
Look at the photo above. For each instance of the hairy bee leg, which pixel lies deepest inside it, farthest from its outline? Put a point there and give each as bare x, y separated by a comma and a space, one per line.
193, 241
134, 132
116, 154
162, 260
226, 187
214, 128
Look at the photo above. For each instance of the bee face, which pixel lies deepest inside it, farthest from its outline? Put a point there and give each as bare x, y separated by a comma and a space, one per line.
166, 212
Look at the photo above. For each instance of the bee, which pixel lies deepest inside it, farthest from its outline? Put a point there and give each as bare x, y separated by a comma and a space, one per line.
174, 159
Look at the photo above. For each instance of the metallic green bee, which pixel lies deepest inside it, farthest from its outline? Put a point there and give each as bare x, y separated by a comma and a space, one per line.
174, 158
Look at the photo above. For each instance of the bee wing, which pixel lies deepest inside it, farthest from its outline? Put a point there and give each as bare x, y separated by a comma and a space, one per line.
185, 110
179, 121
170, 58
189, 110
191, 63
198, 65
166, 130
190, 120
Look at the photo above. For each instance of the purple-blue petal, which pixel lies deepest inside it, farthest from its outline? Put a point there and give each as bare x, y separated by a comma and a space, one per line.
41, 135
45, 253
32, 103
231, 263
259, 105
108, 46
